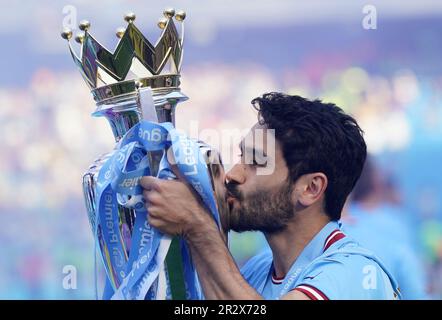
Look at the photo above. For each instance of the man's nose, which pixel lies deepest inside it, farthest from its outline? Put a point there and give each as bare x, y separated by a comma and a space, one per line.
236, 174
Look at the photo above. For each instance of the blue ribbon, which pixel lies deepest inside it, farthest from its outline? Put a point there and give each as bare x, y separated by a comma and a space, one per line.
135, 276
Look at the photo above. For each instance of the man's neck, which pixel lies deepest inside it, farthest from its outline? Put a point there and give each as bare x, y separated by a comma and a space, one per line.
288, 244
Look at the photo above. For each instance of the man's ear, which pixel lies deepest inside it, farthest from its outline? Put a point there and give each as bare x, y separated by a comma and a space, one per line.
310, 187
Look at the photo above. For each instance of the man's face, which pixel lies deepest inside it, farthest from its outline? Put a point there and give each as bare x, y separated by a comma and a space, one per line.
255, 201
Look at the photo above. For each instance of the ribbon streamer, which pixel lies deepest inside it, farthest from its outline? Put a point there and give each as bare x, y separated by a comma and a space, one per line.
136, 275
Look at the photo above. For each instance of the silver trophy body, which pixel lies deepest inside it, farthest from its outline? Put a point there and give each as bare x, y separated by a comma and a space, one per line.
122, 114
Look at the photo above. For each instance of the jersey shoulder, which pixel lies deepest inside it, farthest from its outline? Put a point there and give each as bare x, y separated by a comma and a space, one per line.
349, 272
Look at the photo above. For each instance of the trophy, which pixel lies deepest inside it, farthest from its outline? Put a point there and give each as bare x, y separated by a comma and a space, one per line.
138, 81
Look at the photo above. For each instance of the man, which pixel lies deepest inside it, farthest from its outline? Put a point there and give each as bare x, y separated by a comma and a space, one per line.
318, 157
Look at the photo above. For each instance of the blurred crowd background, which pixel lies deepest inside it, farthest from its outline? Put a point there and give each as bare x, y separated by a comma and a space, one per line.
389, 78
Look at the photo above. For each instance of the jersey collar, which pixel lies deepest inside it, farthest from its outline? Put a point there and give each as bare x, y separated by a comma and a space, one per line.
328, 235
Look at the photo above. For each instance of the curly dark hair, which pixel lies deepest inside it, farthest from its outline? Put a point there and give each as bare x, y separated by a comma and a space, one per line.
316, 137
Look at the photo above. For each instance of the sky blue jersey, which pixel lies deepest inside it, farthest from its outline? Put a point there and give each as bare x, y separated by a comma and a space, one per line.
331, 266
382, 231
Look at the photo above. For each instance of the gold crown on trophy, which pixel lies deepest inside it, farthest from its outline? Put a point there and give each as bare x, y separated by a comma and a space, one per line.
135, 62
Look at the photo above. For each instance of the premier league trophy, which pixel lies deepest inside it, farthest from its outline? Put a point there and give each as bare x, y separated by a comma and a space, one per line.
138, 81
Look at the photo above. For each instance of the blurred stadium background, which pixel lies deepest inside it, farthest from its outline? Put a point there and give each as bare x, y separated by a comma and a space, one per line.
390, 79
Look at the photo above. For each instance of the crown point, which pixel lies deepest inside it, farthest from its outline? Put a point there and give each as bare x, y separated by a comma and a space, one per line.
66, 34
130, 17
120, 32
138, 84
169, 13
84, 25
162, 23
79, 37
180, 15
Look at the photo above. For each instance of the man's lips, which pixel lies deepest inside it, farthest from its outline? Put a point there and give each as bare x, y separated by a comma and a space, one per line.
231, 201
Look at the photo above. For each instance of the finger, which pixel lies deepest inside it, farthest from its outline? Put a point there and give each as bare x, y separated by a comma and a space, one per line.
152, 197
153, 210
153, 213
155, 222
149, 200
150, 183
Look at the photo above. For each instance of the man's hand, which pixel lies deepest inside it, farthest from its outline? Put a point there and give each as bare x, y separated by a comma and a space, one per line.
173, 207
